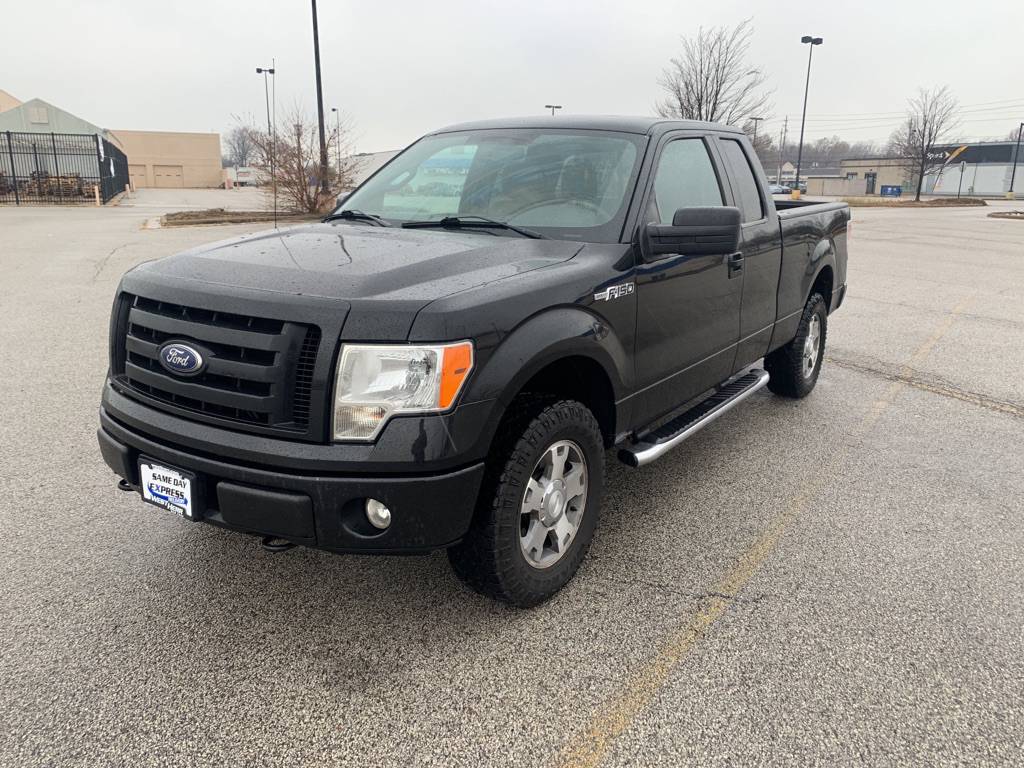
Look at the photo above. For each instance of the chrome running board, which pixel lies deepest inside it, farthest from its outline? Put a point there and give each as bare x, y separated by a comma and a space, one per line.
654, 444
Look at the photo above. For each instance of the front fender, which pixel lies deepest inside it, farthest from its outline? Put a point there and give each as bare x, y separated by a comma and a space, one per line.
543, 339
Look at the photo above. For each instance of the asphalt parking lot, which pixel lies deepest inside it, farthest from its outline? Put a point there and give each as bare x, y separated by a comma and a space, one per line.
836, 581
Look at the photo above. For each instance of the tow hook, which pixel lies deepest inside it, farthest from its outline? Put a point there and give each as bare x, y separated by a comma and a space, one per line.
267, 542
124, 485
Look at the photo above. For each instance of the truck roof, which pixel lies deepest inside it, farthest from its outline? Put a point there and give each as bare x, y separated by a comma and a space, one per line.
623, 123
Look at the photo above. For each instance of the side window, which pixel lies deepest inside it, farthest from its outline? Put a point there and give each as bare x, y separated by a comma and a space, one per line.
748, 196
685, 177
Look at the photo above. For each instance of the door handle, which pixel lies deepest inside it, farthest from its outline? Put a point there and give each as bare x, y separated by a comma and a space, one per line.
735, 265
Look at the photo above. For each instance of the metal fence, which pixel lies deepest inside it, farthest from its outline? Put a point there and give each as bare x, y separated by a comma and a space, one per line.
59, 169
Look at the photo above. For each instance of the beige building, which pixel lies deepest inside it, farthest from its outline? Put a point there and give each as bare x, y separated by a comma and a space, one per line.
876, 172
7, 101
835, 186
165, 159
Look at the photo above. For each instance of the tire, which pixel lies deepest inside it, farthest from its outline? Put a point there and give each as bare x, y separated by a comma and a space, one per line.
794, 367
530, 534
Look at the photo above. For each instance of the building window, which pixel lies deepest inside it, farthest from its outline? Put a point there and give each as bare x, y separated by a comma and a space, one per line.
38, 115
851, 175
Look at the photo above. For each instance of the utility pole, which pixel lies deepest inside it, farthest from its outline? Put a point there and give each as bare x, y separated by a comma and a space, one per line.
782, 146
755, 121
320, 107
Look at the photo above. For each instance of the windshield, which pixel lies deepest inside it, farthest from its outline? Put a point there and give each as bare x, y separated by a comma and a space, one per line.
565, 184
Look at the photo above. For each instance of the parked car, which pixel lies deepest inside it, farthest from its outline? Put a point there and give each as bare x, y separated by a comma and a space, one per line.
778, 189
444, 366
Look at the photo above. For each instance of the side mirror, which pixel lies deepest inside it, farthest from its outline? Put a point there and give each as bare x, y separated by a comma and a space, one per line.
341, 198
696, 231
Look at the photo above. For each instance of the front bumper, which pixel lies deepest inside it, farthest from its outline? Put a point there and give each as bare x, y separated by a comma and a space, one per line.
317, 503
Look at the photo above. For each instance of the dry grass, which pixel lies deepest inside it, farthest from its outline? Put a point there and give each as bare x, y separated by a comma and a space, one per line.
221, 216
888, 202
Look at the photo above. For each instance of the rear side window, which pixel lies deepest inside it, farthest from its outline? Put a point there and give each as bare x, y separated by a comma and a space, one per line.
744, 183
685, 177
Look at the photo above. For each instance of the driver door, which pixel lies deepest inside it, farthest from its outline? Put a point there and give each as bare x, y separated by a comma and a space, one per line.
688, 307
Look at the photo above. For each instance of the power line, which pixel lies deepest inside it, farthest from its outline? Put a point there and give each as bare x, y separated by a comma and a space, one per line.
901, 112
865, 122
878, 129
1011, 106
868, 122
891, 124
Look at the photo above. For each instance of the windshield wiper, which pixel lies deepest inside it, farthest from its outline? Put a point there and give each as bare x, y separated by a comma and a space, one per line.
469, 222
352, 214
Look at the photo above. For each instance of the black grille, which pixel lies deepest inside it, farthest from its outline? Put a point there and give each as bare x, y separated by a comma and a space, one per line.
258, 371
304, 376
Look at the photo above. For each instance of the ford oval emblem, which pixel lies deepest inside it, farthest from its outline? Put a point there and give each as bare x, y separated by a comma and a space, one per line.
181, 359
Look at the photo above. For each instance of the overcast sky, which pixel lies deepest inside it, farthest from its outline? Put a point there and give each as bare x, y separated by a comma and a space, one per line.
402, 68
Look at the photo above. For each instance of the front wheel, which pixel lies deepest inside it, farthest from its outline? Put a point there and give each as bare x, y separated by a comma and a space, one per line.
538, 507
794, 367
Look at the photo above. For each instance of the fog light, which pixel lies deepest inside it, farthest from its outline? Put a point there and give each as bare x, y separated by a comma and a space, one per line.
378, 515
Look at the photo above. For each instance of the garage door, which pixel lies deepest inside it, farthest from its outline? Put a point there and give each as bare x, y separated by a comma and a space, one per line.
138, 176
168, 176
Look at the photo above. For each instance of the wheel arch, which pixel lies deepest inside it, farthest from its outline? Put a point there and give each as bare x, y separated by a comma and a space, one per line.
568, 353
824, 283
581, 378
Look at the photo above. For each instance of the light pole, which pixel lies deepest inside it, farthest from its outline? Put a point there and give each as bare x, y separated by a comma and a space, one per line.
552, 107
320, 107
799, 153
266, 90
337, 131
1016, 151
271, 134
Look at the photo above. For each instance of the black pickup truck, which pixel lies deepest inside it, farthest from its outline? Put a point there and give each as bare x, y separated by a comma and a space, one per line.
444, 361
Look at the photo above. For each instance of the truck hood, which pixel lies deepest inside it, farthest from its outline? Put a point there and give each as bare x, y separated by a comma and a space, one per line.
358, 262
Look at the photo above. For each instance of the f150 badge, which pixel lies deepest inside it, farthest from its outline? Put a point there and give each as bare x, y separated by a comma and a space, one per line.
614, 292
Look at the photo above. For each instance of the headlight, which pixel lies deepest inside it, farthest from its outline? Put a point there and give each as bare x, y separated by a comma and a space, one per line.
375, 381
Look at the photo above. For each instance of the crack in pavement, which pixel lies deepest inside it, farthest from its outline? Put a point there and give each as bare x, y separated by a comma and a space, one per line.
697, 596
983, 401
1000, 321
101, 263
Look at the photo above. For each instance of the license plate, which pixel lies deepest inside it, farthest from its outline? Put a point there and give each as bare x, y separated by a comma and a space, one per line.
170, 489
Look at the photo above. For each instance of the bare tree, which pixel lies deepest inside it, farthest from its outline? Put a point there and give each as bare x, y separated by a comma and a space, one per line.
711, 79
290, 160
1015, 133
239, 145
828, 151
932, 119
864, 149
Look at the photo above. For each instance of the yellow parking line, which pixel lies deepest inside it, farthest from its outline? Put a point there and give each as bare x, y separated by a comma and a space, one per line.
589, 746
